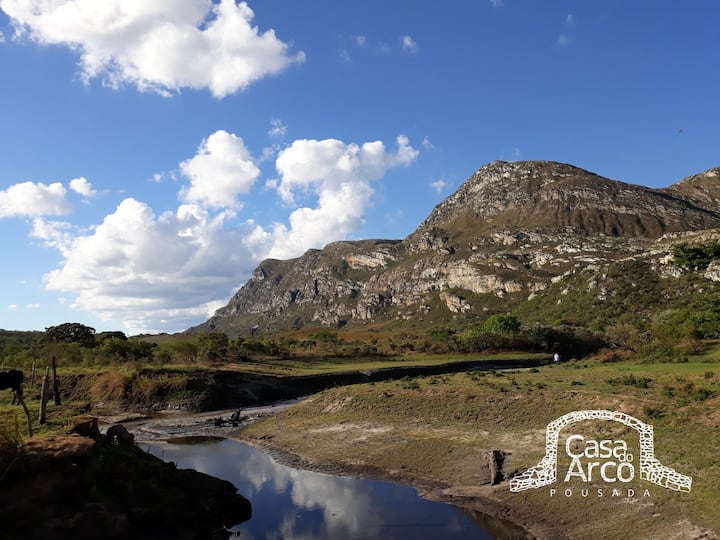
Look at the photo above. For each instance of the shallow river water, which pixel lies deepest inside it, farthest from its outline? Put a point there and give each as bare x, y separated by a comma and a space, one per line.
291, 503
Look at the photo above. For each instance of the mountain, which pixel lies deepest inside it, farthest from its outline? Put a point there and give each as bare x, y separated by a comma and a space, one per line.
514, 237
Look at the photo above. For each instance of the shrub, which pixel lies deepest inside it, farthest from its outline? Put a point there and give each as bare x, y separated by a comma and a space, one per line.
631, 380
652, 412
695, 257
502, 324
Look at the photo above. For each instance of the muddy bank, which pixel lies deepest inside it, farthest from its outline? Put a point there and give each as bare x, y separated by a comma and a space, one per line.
228, 389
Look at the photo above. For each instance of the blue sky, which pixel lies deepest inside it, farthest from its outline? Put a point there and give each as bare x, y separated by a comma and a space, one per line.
153, 153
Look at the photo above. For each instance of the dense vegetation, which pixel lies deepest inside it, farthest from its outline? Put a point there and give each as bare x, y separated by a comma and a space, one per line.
695, 257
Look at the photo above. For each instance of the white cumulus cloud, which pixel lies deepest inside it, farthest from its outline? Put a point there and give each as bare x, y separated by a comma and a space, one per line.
339, 176
170, 271
29, 199
82, 187
142, 269
221, 170
158, 45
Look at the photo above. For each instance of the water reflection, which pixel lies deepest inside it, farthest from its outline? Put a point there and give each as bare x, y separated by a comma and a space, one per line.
296, 504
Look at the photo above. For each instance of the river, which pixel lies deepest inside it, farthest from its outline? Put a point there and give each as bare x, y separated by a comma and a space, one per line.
291, 503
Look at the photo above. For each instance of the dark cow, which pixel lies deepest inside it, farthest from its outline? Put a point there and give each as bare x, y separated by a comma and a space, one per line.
12, 379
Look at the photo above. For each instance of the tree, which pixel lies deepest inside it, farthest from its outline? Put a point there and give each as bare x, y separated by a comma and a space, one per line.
214, 345
502, 324
71, 333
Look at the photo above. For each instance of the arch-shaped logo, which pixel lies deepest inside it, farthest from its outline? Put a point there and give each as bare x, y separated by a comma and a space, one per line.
545, 472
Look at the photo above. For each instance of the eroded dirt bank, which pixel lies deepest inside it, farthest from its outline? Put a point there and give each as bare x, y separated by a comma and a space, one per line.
75, 487
229, 389
207, 390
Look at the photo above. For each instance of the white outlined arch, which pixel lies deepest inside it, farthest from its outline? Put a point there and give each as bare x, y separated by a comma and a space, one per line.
651, 469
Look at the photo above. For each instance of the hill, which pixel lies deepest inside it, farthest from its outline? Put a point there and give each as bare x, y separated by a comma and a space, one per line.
546, 240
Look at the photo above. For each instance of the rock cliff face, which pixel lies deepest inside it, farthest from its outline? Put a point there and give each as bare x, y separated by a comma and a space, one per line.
509, 233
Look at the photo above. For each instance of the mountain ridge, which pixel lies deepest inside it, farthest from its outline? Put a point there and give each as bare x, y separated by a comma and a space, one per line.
510, 233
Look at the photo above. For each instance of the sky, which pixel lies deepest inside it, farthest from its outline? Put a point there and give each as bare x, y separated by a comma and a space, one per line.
152, 154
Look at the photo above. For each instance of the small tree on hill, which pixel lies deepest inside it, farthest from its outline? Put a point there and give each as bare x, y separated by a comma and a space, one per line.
71, 333
501, 324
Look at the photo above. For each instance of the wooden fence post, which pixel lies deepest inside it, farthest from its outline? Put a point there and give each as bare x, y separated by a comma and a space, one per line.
56, 386
32, 375
44, 393
27, 414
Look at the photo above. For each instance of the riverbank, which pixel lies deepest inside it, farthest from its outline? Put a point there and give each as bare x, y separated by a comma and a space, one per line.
438, 433
79, 487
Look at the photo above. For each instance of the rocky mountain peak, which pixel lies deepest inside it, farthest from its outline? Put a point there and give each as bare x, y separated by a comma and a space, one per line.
702, 189
546, 195
512, 233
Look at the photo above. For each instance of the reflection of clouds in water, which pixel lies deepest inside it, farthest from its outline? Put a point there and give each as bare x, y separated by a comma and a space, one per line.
247, 468
292, 504
346, 504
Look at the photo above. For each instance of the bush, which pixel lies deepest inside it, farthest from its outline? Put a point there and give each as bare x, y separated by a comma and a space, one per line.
501, 324
631, 380
695, 257
652, 412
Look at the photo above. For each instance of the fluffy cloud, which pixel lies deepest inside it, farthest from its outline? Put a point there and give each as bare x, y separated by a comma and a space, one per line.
221, 170
339, 175
82, 187
159, 45
33, 199
145, 269
170, 271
